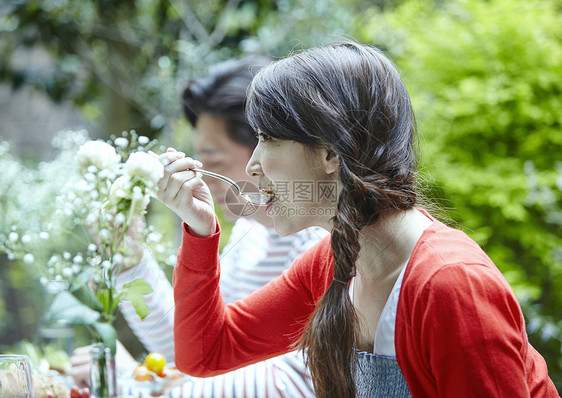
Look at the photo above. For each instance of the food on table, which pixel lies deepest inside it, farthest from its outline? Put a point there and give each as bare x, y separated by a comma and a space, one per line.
155, 362
141, 373
76, 392
48, 387
157, 375
170, 373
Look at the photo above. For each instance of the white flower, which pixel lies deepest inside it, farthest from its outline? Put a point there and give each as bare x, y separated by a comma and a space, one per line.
98, 154
119, 218
120, 189
118, 258
154, 237
91, 219
137, 193
104, 234
108, 174
96, 260
121, 142
144, 166
140, 203
74, 191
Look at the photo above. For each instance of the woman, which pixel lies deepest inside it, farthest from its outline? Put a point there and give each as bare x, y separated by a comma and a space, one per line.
395, 303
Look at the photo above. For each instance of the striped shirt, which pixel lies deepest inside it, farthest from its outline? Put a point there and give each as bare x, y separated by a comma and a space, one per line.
252, 257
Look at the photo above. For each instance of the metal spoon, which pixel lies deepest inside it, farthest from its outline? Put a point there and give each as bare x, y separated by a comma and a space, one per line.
255, 198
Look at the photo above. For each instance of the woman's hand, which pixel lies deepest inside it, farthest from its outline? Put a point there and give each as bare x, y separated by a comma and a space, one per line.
186, 194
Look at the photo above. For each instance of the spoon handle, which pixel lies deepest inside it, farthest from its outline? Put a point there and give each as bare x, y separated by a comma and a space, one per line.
220, 177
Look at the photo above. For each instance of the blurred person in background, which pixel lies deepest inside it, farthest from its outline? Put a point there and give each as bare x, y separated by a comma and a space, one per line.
253, 255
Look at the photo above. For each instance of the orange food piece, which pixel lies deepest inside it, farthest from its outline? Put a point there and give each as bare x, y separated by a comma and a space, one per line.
170, 373
141, 373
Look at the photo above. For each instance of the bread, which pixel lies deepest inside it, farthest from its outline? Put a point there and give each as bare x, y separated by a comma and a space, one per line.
42, 385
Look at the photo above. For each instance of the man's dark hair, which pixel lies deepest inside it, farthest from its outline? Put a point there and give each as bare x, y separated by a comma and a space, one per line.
223, 94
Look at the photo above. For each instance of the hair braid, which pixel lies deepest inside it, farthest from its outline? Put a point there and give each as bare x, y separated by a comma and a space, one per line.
335, 318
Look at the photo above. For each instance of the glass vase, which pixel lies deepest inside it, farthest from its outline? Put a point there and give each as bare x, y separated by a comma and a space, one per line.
103, 374
59, 334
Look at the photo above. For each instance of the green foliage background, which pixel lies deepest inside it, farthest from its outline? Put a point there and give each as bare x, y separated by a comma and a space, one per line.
485, 78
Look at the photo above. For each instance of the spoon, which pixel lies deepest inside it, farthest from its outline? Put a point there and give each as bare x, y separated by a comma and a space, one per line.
255, 198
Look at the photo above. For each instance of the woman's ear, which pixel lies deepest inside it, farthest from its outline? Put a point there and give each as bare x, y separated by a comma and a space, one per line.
331, 161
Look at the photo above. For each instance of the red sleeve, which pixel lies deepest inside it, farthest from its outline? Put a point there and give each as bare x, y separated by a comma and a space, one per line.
473, 334
213, 338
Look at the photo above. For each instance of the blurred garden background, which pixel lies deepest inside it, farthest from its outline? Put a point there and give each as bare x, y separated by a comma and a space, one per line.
485, 78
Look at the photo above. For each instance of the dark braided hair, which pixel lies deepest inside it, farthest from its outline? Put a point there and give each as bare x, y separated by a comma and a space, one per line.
350, 99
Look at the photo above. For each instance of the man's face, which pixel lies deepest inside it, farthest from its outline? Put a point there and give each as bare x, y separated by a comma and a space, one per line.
220, 154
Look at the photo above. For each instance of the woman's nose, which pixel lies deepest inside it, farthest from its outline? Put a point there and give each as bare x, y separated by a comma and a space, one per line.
253, 168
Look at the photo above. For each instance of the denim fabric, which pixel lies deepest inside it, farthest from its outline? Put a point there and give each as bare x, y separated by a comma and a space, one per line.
379, 377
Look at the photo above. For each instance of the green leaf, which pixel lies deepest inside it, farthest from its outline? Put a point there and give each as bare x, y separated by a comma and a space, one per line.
134, 292
84, 276
66, 307
108, 334
83, 293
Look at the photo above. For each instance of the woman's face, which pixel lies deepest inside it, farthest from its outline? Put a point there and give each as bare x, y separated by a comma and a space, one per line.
303, 180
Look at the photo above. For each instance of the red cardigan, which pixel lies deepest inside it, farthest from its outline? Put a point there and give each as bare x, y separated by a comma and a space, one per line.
459, 329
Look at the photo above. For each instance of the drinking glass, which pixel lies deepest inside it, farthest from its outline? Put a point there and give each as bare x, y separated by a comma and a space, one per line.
15, 377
